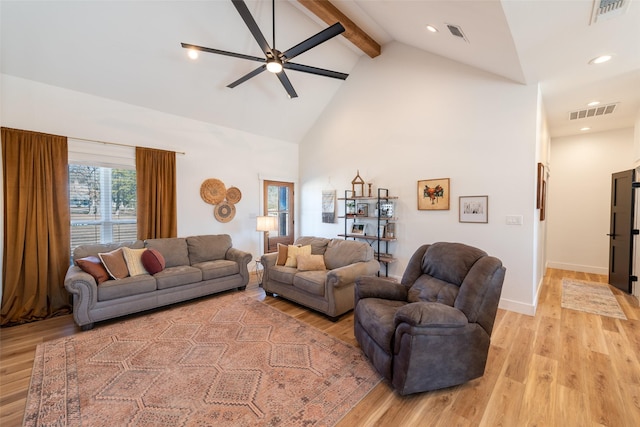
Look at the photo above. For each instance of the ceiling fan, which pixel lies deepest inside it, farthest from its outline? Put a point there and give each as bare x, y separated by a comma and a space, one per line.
276, 61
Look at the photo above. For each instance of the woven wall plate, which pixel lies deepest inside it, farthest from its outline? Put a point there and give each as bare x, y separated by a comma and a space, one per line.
213, 191
233, 195
224, 212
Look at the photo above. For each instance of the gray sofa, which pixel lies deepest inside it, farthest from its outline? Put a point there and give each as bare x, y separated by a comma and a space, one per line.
194, 266
329, 291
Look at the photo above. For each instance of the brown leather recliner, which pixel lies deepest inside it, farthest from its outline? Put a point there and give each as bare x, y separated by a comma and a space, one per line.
432, 330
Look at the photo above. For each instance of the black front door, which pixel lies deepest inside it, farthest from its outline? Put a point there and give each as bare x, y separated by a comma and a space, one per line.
621, 230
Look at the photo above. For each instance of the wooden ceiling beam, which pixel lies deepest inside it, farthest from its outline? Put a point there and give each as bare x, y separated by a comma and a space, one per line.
330, 14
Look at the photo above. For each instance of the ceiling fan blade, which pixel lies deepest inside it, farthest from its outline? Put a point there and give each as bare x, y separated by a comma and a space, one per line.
243, 10
222, 52
247, 76
287, 84
314, 70
314, 41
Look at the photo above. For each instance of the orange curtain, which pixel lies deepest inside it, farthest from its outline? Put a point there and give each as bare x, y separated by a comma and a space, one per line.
36, 226
156, 188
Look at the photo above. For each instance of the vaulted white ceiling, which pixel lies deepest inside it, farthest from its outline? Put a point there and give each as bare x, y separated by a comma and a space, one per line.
130, 51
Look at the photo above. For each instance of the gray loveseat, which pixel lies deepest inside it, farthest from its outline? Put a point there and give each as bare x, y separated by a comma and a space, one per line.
329, 290
193, 267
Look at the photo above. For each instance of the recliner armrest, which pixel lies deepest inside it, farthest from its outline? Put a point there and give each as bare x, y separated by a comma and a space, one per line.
430, 314
379, 287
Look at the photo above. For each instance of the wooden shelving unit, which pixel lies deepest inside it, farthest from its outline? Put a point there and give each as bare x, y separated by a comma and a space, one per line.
380, 242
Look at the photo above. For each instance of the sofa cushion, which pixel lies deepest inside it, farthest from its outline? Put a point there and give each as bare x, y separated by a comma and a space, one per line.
450, 261
94, 267
311, 281
171, 277
344, 252
311, 263
318, 244
174, 250
282, 274
217, 268
114, 289
153, 261
83, 251
115, 263
292, 254
208, 248
133, 258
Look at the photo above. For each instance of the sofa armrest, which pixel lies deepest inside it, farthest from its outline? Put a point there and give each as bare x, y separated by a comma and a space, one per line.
379, 287
430, 315
349, 273
269, 260
84, 289
242, 258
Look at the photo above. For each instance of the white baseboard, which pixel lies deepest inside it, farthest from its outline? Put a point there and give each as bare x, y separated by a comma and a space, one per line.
517, 306
577, 267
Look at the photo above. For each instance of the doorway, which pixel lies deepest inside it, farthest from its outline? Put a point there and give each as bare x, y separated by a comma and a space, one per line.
279, 202
621, 230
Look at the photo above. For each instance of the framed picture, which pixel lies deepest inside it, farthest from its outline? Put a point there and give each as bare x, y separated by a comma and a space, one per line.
328, 206
386, 210
358, 228
433, 194
539, 186
362, 209
474, 209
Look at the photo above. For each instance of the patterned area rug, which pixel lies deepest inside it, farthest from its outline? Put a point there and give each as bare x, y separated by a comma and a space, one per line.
591, 297
225, 361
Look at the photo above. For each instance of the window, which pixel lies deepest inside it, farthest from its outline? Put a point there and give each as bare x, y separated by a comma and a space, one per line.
278, 202
102, 192
102, 202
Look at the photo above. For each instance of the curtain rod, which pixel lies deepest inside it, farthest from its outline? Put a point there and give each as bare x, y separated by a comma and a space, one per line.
116, 143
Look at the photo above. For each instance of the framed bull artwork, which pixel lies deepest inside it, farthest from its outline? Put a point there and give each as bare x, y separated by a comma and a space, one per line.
433, 194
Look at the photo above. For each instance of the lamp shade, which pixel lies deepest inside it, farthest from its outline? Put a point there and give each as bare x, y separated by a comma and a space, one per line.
267, 223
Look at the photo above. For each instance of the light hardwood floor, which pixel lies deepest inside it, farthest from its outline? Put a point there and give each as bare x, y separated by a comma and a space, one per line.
558, 368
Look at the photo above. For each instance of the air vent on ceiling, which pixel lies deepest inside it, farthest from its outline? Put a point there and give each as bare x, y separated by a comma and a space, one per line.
605, 9
456, 31
600, 110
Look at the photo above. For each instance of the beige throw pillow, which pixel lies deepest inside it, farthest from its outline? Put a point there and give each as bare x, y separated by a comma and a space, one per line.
133, 258
311, 263
293, 252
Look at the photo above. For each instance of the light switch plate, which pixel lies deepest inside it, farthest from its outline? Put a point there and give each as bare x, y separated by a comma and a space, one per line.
514, 219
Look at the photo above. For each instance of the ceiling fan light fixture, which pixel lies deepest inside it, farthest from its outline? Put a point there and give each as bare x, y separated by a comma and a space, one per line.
274, 66
192, 53
431, 29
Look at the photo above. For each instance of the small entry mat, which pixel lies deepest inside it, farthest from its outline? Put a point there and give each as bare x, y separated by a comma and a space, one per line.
591, 297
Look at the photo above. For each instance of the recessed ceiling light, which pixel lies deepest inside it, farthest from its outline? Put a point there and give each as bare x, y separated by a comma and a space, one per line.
432, 29
600, 59
593, 103
585, 129
193, 54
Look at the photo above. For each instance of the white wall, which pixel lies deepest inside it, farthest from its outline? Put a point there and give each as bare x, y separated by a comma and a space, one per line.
408, 115
540, 227
579, 197
237, 158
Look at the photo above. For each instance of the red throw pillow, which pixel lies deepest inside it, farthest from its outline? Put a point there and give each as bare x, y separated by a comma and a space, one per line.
94, 267
153, 261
